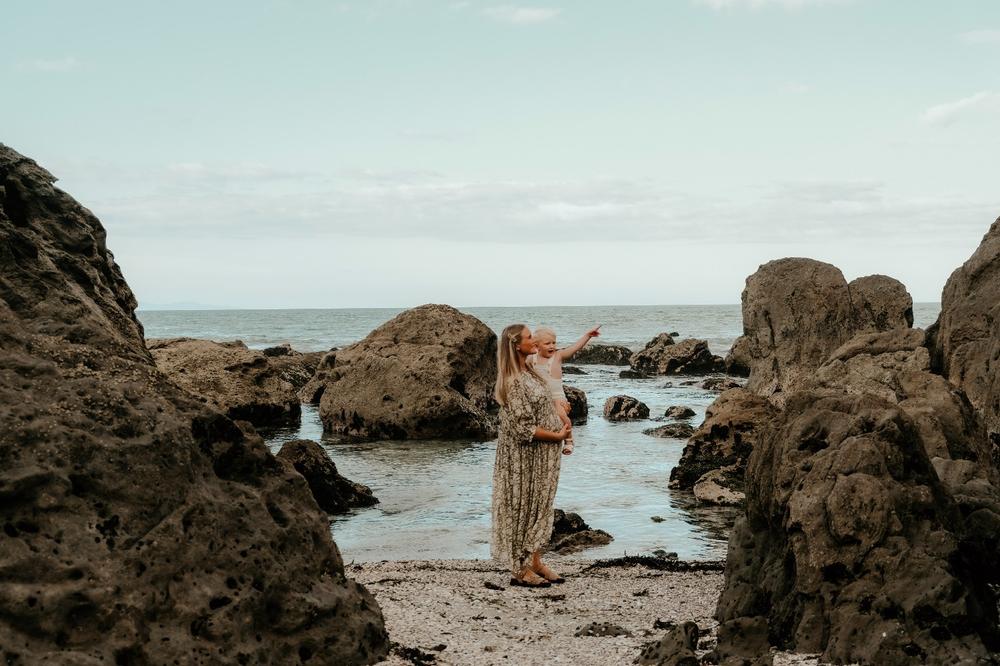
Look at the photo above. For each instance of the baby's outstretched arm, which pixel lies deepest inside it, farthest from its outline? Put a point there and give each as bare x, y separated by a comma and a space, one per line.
567, 352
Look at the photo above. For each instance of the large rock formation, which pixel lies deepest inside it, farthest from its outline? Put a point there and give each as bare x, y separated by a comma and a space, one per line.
595, 354
333, 492
242, 383
140, 526
738, 360
662, 356
426, 374
966, 336
880, 303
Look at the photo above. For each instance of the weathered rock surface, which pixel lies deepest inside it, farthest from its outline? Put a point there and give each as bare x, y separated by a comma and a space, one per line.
311, 392
624, 408
239, 382
296, 368
679, 412
594, 354
874, 363
720, 384
966, 337
676, 648
725, 439
722, 487
674, 430
572, 370
577, 404
852, 547
738, 358
880, 303
633, 374
663, 356
426, 374
571, 534
333, 492
140, 526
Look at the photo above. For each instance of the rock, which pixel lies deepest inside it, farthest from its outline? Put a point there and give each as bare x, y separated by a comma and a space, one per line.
283, 349
676, 648
140, 525
679, 412
426, 374
312, 390
673, 430
880, 303
727, 436
594, 354
571, 534
861, 553
675, 334
632, 374
577, 404
625, 408
965, 340
657, 519
662, 356
874, 363
737, 361
572, 370
742, 642
601, 629
297, 368
333, 493
720, 384
722, 487
242, 383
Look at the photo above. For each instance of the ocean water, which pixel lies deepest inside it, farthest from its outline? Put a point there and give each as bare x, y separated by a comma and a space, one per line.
435, 496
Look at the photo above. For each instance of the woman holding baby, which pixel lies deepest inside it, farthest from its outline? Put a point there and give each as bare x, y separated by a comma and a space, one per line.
533, 431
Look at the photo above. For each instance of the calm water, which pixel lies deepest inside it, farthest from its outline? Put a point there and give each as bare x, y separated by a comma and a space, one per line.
435, 496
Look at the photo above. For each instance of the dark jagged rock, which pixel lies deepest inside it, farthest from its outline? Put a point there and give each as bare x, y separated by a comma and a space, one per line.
571, 534
632, 374
625, 408
428, 373
595, 354
312, 390
297, 368
140, 525
679, 412
676, 648
663, 356
333, 492
601, 629
239, 382
720, 384
674, 430
742, 642
880, 303
572, 370
738, 358
577, 404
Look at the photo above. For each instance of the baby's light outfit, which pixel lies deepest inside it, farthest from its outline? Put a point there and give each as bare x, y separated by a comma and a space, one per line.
544, 367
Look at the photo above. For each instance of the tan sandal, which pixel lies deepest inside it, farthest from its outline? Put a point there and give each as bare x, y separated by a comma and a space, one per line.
567, 447
529, 579
548, 574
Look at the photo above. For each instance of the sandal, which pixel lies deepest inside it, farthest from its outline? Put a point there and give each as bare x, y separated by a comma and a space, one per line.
567, 447
529, 579
551, 576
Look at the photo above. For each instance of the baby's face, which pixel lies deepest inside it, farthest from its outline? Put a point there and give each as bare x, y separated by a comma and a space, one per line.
546, 346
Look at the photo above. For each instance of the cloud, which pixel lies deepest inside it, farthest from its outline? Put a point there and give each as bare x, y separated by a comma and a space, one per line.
764, 4
521, 15
66, 64
949, 112
981, 37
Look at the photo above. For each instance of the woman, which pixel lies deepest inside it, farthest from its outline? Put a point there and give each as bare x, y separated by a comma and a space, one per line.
526, 473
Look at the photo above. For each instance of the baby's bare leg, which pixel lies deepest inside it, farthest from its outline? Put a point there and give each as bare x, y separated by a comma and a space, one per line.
562, 410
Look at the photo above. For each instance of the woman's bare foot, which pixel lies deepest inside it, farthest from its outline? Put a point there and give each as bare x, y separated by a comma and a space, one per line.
548, 574
529, 578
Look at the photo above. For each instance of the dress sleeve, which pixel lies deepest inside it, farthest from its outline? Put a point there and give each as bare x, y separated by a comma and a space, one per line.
522, 416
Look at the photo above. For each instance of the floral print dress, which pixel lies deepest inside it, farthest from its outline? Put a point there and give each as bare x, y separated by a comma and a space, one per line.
525, 474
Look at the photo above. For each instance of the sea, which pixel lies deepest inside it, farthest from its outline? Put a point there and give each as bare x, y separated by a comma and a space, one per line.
435, 495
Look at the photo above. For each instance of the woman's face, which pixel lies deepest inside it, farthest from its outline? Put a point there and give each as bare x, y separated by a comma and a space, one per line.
527, 345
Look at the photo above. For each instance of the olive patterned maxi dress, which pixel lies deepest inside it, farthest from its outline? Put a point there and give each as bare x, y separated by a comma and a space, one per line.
525, 474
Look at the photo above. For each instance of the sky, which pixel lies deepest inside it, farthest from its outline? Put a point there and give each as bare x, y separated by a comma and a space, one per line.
387, 153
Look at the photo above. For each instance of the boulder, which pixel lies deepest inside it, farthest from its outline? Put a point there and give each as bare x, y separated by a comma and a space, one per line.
571, 534
632, 374
311, 392
720, 384
296, 368
965, 340
577, 404
333, 493
426, 374
852, 547
874, 363
662, 356
140, 525
731, 428
679, 412
239, 382
672, 430
722, 487
737, 361
571, 370
880, 303
625, 408
676, 648
595, 354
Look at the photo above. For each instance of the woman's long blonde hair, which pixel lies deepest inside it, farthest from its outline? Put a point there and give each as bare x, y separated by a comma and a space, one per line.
507, 365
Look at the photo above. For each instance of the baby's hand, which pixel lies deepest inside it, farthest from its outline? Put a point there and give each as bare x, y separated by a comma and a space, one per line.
594, 332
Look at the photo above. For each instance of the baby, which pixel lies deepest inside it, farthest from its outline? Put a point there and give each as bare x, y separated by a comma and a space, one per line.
548, 362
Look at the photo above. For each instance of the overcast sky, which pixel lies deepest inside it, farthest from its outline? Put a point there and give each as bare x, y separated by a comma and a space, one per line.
396, 152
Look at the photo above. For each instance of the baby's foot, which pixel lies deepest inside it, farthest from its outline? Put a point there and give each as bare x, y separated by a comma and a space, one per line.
567, 447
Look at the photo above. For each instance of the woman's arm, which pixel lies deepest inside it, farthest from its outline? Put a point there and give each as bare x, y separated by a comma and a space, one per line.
567, 352
543, 435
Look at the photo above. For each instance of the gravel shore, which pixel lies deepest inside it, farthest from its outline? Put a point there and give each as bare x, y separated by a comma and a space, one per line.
465, 612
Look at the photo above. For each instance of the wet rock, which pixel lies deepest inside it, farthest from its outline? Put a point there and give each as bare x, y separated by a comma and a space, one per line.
141, 525
862, 553
601, 629
572, 370
662, 356
720, 384
725, 439
880, 303
673, 430
632, 374
571, 534
297, 368
242, 383
283, 349
965, 340
426, 374
625, 408
722, 487
594, 354
676, 648
577, 404
679, 412
737, 361
333, 492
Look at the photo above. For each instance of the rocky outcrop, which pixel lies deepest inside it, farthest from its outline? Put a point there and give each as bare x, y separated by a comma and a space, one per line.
577, 404
679, 412
965, 340
732, 425
874, 363
671, 430
296, 368
333, 492
570, 534
880, 303
625, 408
426, 374
594, 354
852, 547
311, 392
663, 356
722, 487
239, 382
676, 648
720, 384
140, 526
738, 358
